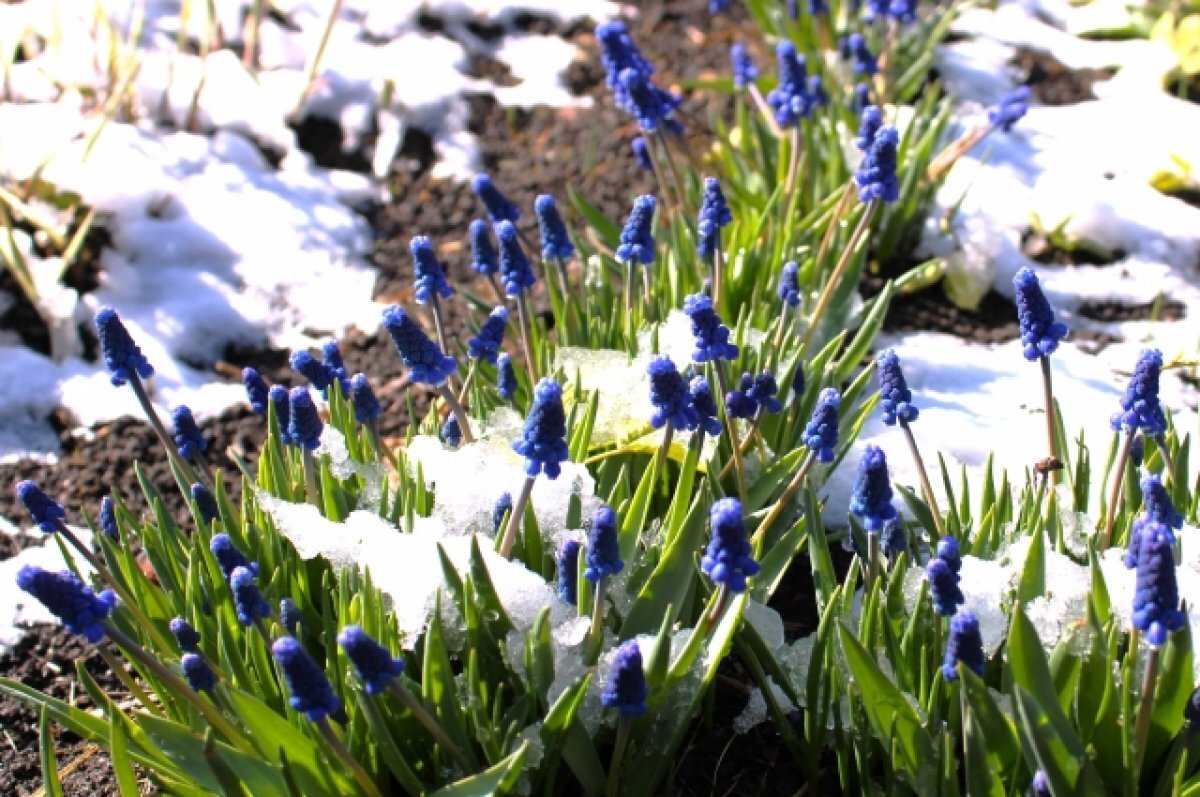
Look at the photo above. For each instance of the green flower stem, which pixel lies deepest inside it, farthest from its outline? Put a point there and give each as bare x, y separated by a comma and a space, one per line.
629, 272
664, 450
526, 341
842, 207
514, 518
430, 723
926, 487
466, 385
435, 312
312, 490
139, 694
872, 557
781, 502
1114, 497
1145, 707
718, 273
780, 335
735, 443
718, 606
614, 769
753, 436
595, 635
955, 150
670, 158
495, 283
1051, 427
764, 109
814, 320
793, 160
660, 179
360, 775
456, 407
177, 686
160, 431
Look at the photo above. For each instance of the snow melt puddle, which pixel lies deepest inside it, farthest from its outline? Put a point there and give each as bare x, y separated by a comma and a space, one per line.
211, 243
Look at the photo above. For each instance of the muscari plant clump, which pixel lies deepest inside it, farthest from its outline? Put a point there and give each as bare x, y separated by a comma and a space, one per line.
533, 591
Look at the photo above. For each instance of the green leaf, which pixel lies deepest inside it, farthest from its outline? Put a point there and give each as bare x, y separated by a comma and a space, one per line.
1172, 691
672, 578
495, 780
119, 753
1003, 747
1053, 747
1033, 576
50, 779
890, 713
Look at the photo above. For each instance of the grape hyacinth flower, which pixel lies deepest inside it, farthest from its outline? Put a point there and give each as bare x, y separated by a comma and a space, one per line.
290, 615
305, 425
669, 395
821, 433
556, 243
374, 664
712, 337
366, 406
1158, 503
1010, 110
894, 396
486, 345
1156, 594
903, 11
817, 96
739, 403
868, 127
47, 514
1141, 407
518, 277
626, 690
70, 600
199, 675
705, 405
789, 100
423, 358
124, 359
506, 377
568, 572
871, 499
943, 587
451, 433
892, 540
862, 98
798, 384
717, 6
1141, 411
543, 444
501, 508
1040, 333
485, 260
311, 692
248, 602
964, 646
189, 440
789, 284
331, 358
229, 556
745, 71
107, 520
649, 105
947, 551
876, 177
603, 552
186, 637
618, 53
312, 369
1040, 785
256, 390
641, 153
714, 214
429, 278
637, 238
498, 207
206, 503
855, 48
282, 402
763, 391
729, 559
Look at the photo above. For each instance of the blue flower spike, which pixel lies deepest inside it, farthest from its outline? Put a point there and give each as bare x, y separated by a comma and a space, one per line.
789, 284
312, 369
256, 390
641, 153
556, 242
1040, 333
501, 508
311, 692
486, 345
1156, 592
964, 646
281, 400
229, 556
894, 396
705, 405
868, 127
451, 432
876, 177
198, 674
498, 207
366, 406
714, 214
821, 433
672, 401
506, 377
637, 238
485, 260
305, 425
248, 601
429, 278
515, 271
567, 569
374, 664
603, 550
47, 514
124, 359
626, 689
543, 444
186, 637
790, 100
729, 559
856, 49
943, 587
1010, 110
871, 499
290, 615
70, 600
740, 402
206, 503
107, 519
763, 391
189, 440
423, 358
331, 358
947, 550
1141, 408
712, 336
745, 71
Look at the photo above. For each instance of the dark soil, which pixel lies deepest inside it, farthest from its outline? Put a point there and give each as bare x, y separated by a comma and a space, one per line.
1040, 249
1052, 82
928, 310
1112, 312
46, 660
